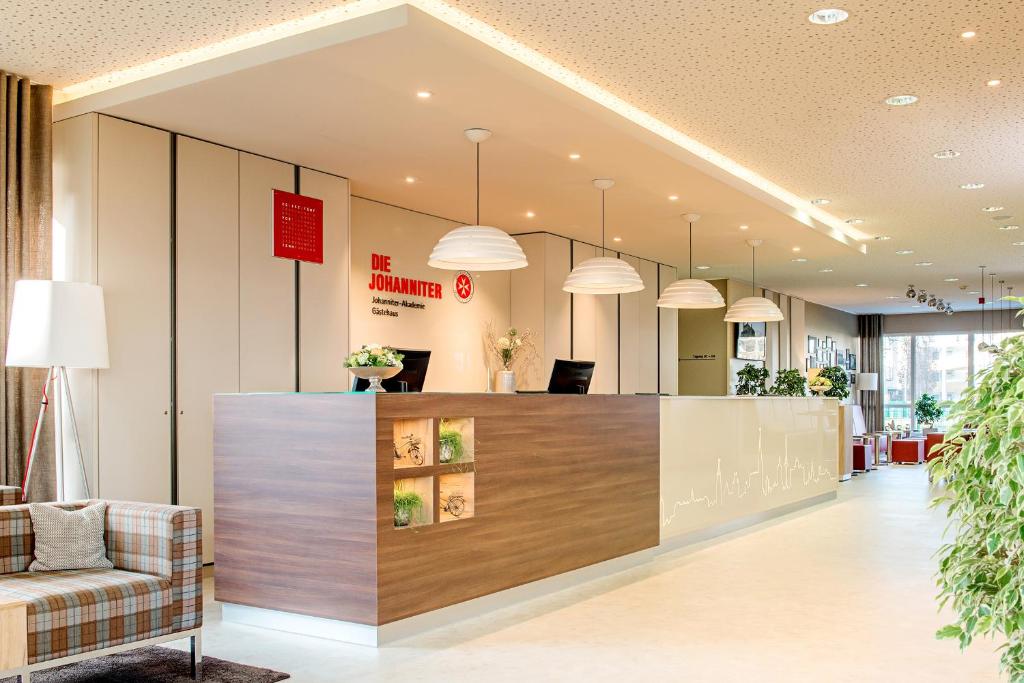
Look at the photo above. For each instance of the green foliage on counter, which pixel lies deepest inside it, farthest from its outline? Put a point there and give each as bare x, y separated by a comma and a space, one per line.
752, 379
789, 383
927, 409
452, 448
981, 572
840, 381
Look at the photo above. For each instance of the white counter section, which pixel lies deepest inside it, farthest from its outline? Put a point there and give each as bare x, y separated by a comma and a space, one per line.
730, 461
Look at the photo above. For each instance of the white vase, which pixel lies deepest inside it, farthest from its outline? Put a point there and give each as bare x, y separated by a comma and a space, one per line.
506, 382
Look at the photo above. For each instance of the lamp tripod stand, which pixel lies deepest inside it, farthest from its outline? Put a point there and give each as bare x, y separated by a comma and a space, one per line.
58, 374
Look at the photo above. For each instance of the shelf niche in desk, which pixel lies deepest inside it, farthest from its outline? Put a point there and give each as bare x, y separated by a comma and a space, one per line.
455, 496
448, 452
424, 487
414, 441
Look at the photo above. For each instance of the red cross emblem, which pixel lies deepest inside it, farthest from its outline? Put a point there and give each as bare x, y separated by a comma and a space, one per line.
463, 286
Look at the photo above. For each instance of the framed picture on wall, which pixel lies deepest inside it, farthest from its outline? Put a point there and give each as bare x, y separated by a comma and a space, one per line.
812, 345
841, 359
852, 360
828, 342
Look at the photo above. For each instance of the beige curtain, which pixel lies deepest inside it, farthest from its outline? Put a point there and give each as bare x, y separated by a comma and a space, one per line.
26, 204
871, 330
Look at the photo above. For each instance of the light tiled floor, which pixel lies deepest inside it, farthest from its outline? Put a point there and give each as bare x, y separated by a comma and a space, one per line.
841, 592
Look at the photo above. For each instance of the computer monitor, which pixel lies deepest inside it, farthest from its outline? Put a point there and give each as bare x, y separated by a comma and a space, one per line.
413, 374
571, 376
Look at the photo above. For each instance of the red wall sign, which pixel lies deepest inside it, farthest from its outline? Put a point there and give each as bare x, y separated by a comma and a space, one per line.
463, 286
298, 227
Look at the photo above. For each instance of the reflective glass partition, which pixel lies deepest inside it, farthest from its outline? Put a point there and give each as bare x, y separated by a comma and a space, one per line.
896, 381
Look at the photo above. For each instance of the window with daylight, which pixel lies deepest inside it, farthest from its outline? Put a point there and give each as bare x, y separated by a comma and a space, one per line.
943, 365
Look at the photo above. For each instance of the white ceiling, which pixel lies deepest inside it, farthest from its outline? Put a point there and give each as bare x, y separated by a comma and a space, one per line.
798, 103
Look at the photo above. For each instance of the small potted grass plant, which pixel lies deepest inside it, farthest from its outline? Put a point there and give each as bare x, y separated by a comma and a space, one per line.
452, 448
406, 502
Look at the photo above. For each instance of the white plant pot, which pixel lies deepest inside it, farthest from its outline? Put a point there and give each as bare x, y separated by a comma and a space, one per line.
505, 382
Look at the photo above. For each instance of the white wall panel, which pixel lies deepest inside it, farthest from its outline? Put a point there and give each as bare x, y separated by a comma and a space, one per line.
595, 330
133, 248
557, 302
648, 326
266, 295
323, 291
74, 260
785, 353
797, 335
207, 311
629, 336
668, 331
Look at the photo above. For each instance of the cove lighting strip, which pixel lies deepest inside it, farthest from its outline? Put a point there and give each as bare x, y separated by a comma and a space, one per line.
491, 37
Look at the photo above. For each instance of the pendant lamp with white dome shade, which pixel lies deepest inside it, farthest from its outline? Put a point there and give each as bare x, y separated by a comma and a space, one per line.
691, 293
753, 309
603, 274
477, 247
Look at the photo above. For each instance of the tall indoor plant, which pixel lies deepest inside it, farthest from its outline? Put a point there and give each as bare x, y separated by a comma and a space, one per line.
928, 411
981, 571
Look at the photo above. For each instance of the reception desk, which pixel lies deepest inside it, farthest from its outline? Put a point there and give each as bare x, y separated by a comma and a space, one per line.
546, 489
731, 461
304, 500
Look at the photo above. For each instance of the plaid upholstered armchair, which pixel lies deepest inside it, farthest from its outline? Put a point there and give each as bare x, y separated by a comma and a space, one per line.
153, 594
10, 495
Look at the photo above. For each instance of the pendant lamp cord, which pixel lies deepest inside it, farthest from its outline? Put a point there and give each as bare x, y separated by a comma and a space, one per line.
691, 250
604, 250
753, 271
478, 183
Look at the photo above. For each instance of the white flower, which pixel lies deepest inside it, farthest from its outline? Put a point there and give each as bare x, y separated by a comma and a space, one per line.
518, 342
504, 343
363, 358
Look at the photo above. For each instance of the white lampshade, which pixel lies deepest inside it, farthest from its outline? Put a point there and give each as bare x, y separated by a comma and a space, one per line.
603, 275
57, 324
867, 381
477, 247
753, 309
691, 294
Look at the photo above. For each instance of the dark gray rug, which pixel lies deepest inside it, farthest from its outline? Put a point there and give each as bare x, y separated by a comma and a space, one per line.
153, 664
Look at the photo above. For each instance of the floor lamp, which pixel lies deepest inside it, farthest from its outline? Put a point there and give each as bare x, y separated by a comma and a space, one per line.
57, 325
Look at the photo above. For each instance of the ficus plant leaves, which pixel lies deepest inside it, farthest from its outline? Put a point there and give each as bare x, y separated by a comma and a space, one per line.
981, 571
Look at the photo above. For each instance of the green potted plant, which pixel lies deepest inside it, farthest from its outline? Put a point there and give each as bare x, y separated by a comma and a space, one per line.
452, 448
751, 380
789, 383
981, 570
840, 382
405, 503
928, 412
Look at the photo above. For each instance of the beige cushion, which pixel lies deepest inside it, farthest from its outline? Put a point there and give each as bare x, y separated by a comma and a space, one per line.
68, 539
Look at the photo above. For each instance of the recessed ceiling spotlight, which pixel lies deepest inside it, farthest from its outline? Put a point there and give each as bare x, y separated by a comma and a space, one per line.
952, 279
530, 214
574, 156
424, 94
825, 270
967, 35
990, 209
946, 154
1018, 244
916, 306
1010, 227
862, 284
410, 179
744, 227
974, 292
703, 267
673, 197
821, 201
900, 100
995, 82
904, 252
854, 221
882, 238
924, 263
972, 186
893, 297
616, 239
796, 249
799, 260
827, 17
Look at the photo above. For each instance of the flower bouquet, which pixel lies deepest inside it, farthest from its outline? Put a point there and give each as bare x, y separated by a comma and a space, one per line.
820, 385
510, 349
374, 362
